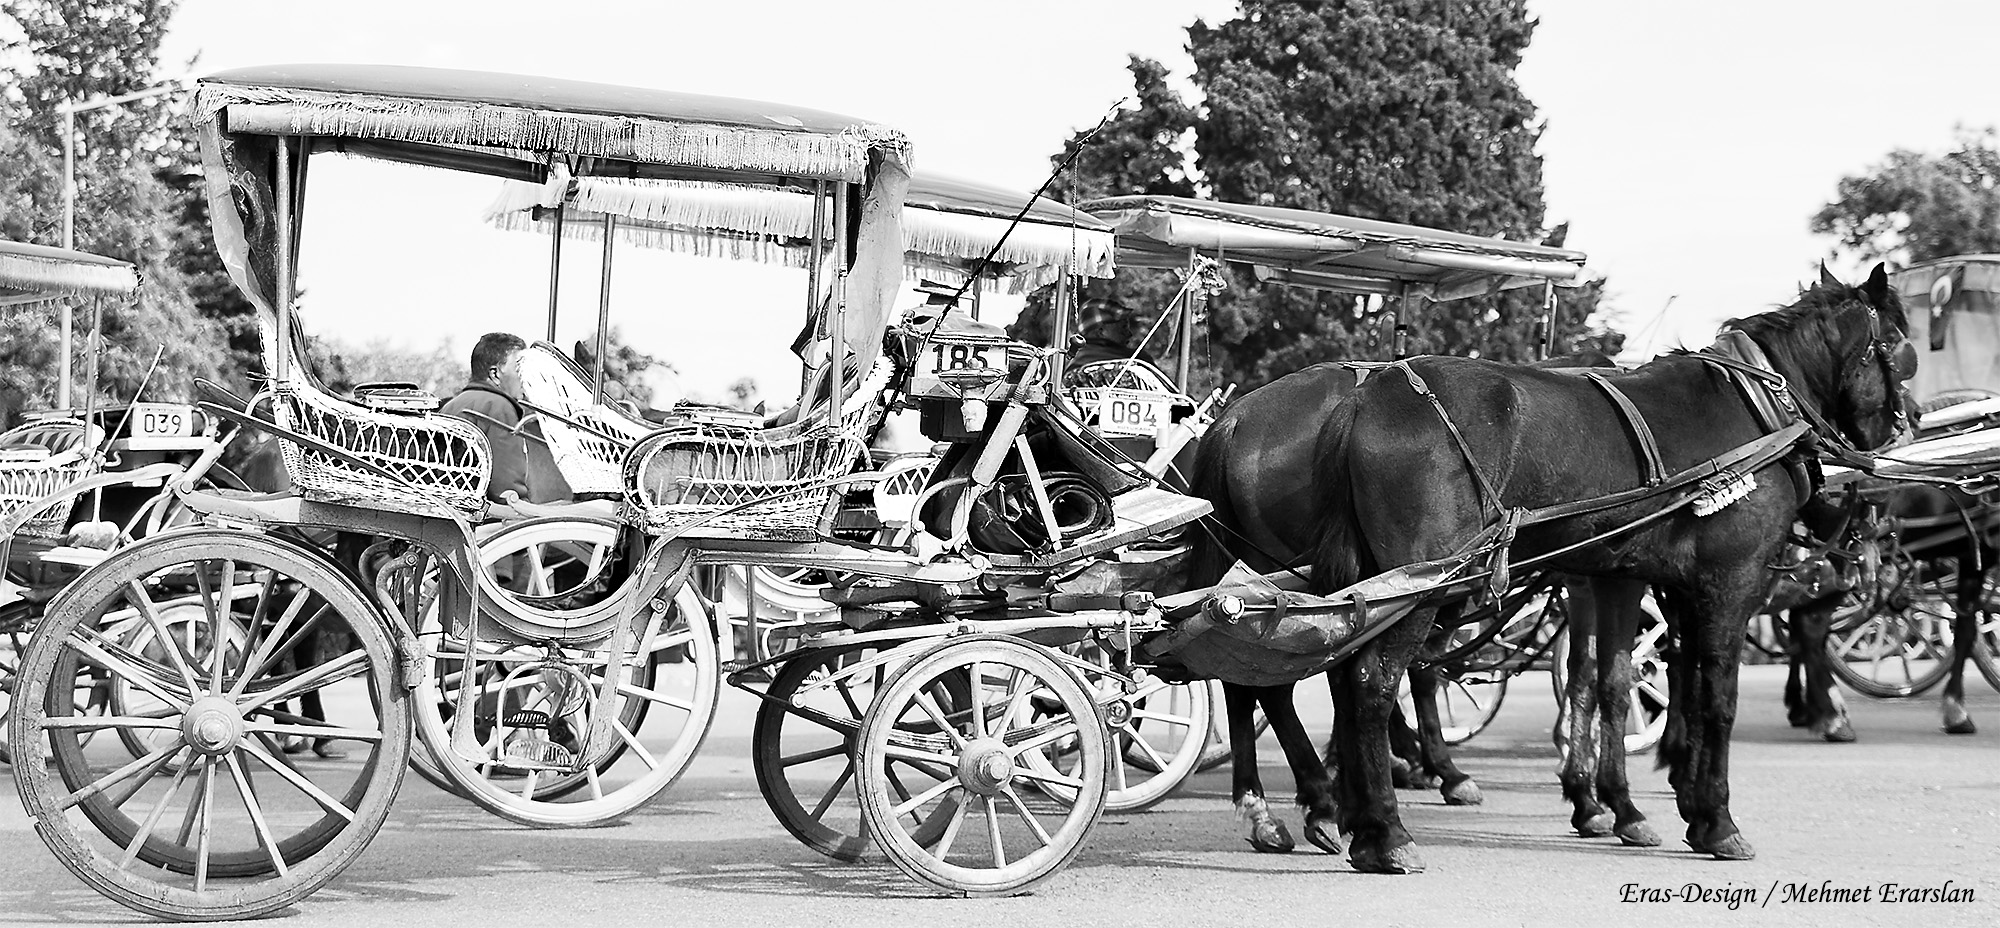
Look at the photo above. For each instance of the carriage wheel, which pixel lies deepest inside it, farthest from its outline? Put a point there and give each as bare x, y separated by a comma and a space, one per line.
803, 748
997, 841
1466, 705
239, 830
1646, 720
672, 683
1159, 732
1897, 640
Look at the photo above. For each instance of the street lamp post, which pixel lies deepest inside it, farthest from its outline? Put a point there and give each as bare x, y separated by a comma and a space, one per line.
69, 111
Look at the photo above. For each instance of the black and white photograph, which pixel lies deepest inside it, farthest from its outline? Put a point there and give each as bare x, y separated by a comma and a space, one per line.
1181, 463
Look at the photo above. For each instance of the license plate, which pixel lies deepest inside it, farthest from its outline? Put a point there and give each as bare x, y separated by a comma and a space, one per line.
945, 356
162, 420
1131, 413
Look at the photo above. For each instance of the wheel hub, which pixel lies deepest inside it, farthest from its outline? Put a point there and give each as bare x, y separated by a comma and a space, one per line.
1118, 714
212, 725
985, 767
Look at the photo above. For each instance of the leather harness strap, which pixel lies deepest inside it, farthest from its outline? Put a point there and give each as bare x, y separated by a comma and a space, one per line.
1488, 497
1635, 423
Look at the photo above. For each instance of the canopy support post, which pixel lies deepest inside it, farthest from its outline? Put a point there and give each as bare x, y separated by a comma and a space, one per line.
814, 302
837, 325
555, 270
282, 356
1184, 356
1401, 345
603, 310
1059, 327
1548, 326
63, 374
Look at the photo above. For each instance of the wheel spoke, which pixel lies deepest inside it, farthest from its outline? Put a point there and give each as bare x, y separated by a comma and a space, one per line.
256, 810
632, 741
153, 818
993, 832
1027, 817
592, 779
320, 732
1146, 747
183, 662
958, 813
1043, 739
1119, 781
1029, 773
207, 825
918, 801
133, 672
651, 695
528, 784
143, 768
351, 664
914, 756
978, 700
96, 722
930, 707
292, 641
1181, 721
254, 663
807, 757
1015, 703
839, 783
299, 780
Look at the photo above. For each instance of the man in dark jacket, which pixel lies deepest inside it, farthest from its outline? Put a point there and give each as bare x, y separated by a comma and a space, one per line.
490, 401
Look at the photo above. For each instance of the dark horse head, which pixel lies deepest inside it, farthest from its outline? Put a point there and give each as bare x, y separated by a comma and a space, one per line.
1847, 353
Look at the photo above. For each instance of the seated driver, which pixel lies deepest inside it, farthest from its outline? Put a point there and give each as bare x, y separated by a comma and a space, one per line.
491, 401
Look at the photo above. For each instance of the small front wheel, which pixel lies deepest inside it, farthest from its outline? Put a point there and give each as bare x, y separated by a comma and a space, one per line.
998, 840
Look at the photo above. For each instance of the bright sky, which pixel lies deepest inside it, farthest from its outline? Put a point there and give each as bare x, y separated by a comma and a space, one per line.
1687, 143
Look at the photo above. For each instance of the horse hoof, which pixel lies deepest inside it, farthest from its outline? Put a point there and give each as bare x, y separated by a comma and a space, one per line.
1403, 859
1638, 834
1325, 835
1595, 826
1463, 793
1838, 731
1733, 847
1956, 720
1271, 838
1963, 726
1401, 773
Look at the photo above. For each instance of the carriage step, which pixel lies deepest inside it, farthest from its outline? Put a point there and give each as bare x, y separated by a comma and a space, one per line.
527, 718
528, 750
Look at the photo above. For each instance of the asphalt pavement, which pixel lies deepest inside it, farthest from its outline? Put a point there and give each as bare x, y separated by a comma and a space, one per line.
1906, 805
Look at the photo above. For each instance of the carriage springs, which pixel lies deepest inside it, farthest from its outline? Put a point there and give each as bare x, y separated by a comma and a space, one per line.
1782, 893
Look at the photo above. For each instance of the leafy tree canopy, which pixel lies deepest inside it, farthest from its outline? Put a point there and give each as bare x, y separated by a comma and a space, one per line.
1915, 206
1399, 110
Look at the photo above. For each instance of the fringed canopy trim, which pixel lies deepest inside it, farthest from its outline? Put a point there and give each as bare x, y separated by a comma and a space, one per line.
32, 273
831, 155
775, 227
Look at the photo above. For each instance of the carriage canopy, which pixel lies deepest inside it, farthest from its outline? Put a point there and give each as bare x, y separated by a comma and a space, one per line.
541, 130
949, 224
33, 273
1329, 251
1954, 307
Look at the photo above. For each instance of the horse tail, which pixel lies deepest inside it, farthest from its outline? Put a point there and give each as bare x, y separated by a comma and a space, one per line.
1340, 557
1211, 557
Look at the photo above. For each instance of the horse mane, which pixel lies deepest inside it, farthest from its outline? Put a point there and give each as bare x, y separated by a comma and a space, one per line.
1789, 333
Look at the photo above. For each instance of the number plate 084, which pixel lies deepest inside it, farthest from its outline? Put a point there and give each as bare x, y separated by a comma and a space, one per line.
1131, 413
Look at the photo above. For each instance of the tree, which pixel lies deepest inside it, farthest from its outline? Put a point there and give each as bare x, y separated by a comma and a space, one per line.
1915, 207
76, 50
1397, 110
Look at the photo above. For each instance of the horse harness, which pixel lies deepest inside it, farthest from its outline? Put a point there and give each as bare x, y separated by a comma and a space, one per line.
1791, 436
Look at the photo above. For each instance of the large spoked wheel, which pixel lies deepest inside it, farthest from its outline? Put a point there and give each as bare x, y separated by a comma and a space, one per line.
803, 746
187, 623
997, 841
1646, 720
1898, 641
238, 829
1158, 734
667, 700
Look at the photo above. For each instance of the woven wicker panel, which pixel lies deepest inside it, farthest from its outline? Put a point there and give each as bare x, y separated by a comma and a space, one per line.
70, 446
690, 472
591, 458
445, 458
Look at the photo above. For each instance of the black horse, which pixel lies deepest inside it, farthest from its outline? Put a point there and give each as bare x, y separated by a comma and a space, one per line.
1422, 459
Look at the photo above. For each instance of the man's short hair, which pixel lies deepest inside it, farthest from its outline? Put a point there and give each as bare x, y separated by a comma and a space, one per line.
492, 350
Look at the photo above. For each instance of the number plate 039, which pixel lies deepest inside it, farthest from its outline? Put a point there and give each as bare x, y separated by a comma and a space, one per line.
162, 420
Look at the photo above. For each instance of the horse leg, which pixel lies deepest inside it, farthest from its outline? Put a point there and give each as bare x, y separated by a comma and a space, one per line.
1315, 786
1408, 767
1579, 704
1712, 624
1618, 626
1364, 688
1965, 628
1825, 708
1455, 785
1796, 712
1267, 834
